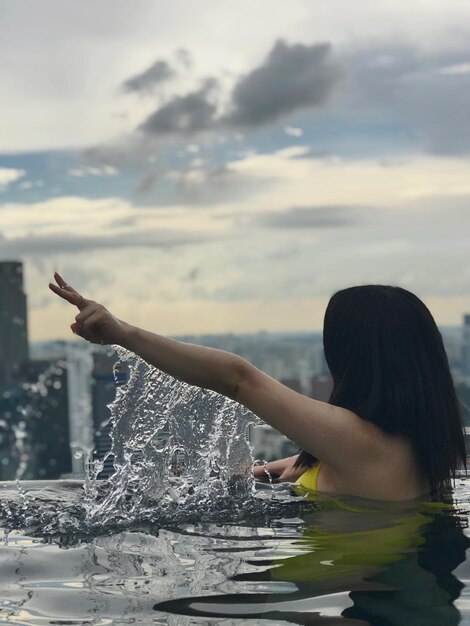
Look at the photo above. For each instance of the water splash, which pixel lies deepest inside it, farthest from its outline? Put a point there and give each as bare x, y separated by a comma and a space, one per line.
179, 453
175, 447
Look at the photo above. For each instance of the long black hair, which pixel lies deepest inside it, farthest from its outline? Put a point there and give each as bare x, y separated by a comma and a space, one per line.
389, 366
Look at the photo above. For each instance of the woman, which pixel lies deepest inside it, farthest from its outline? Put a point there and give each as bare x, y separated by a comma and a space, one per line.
392, 429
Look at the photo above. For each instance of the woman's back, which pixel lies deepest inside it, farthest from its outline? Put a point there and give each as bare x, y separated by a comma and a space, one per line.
391, 475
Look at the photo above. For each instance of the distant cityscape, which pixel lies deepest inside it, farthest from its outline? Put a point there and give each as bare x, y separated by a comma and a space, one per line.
54, 395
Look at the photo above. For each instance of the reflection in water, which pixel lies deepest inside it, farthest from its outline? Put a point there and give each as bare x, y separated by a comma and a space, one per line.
421, 587
384, 567
381, 566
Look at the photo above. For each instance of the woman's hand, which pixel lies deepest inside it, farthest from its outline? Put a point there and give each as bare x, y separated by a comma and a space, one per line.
93, 322
282, 470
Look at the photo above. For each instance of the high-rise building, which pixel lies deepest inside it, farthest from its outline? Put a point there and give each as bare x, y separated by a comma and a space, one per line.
34, 427
13, 323
466, 346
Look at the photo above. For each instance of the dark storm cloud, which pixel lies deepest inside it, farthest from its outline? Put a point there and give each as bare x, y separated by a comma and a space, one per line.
63, 243
146, 82
310, 217
292, 77
185, 115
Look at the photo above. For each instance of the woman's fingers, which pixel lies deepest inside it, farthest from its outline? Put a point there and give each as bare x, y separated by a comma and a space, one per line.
62, 283
71, 297
68, 293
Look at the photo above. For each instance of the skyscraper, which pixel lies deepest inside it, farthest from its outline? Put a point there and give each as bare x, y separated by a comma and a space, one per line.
14, 352
466, 346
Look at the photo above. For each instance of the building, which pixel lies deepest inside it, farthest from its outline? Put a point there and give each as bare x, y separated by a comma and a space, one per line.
34, 413
34, 427
49, 425
14, 352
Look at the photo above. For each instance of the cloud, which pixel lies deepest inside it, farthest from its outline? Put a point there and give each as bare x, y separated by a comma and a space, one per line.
310, 217
146, 82
64, 243
293, 77
192, 275
186, 115
458, 68
147, 182
83, 278
368, 99
213, 186
424, 97
184, 57
116, 40
31, 184
293, 131
80, 172
9, 175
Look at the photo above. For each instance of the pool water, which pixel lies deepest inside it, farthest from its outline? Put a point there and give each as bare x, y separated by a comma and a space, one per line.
324, 562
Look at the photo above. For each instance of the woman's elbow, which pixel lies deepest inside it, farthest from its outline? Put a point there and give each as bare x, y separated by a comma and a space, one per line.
239, 375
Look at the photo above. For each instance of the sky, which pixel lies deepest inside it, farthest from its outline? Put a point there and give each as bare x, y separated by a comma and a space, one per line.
205, 166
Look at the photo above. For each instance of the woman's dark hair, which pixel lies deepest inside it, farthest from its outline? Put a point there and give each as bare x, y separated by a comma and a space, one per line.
389, 366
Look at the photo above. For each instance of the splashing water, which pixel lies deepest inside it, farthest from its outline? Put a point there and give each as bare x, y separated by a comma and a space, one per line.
175, 447
180, 453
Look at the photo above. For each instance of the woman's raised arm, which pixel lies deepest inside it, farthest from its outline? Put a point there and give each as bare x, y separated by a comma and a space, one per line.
197, 365
330, 433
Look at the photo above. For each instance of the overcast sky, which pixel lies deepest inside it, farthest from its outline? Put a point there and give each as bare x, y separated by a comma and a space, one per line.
212, 166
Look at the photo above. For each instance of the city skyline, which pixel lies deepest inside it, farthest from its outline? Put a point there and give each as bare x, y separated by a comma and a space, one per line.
273, 324
195, 182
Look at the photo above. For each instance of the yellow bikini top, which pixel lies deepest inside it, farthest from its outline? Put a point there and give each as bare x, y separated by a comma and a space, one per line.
308, 480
